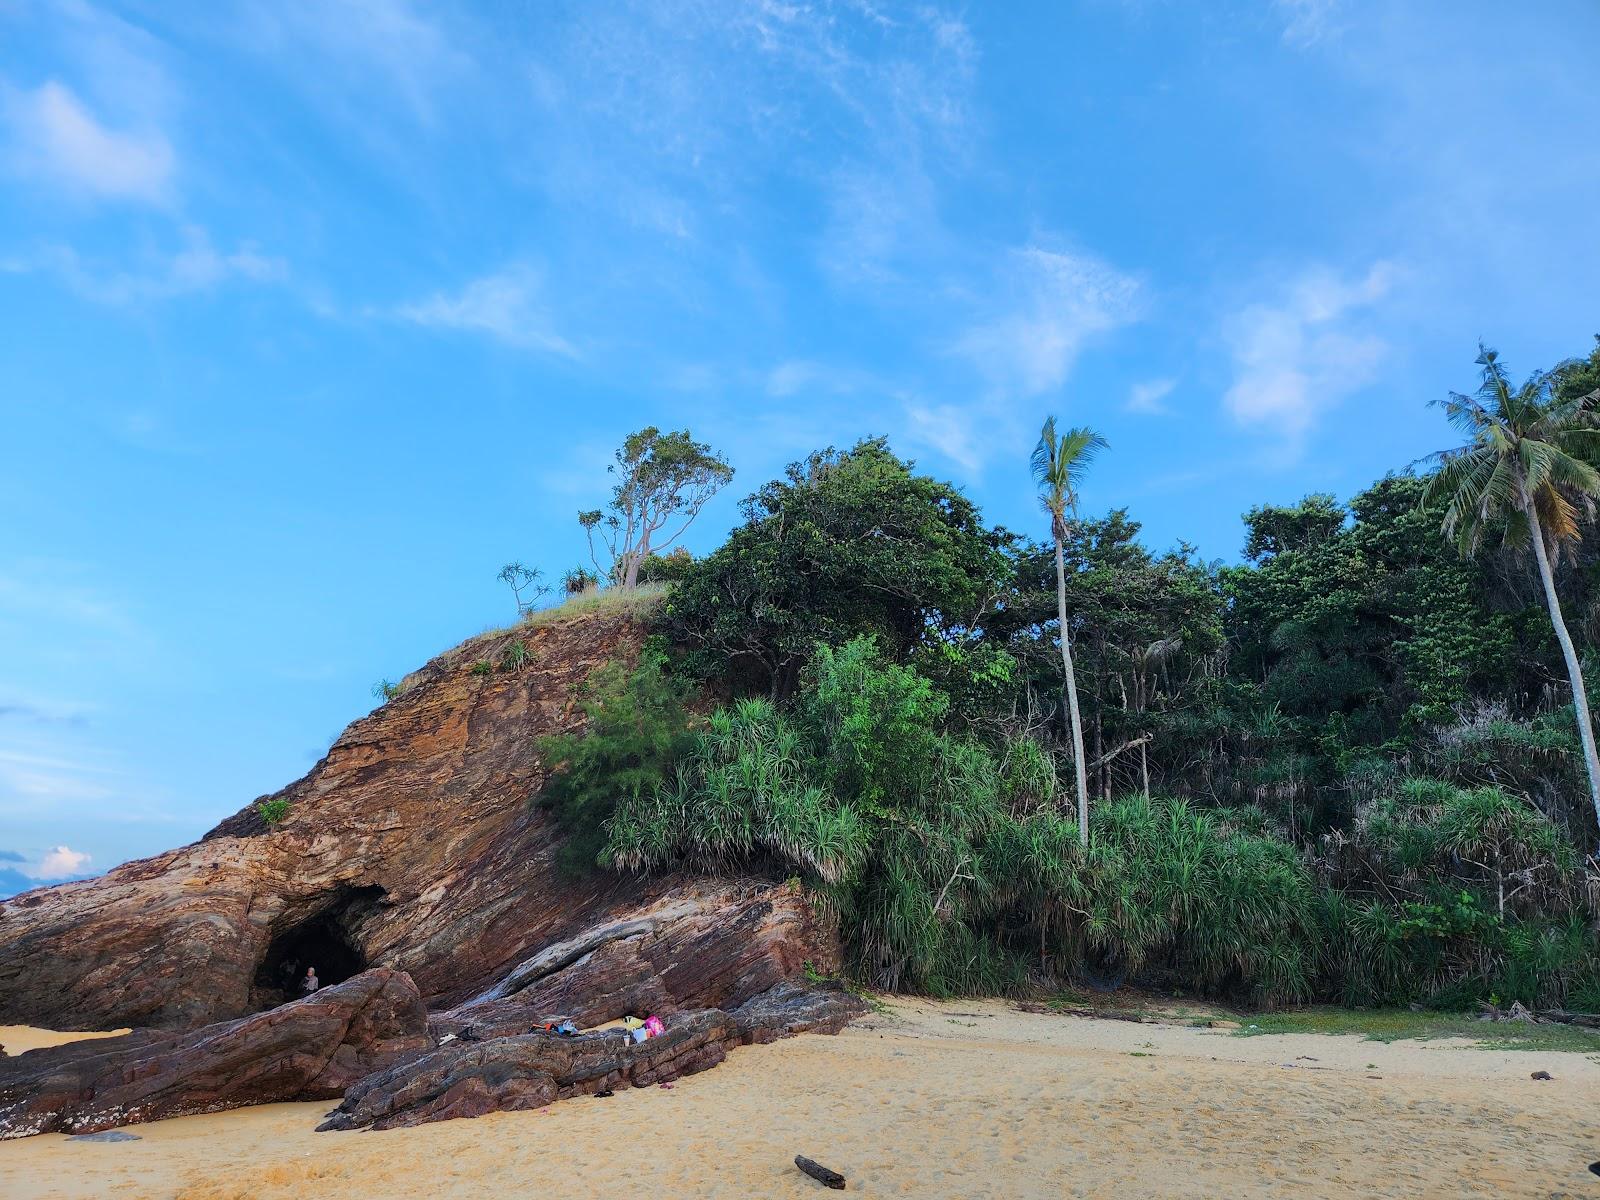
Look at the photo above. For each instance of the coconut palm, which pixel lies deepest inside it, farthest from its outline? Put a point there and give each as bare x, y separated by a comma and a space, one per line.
1059, 463
1530, 473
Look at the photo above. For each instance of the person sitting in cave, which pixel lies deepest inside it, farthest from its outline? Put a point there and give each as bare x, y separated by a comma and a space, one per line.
310, 983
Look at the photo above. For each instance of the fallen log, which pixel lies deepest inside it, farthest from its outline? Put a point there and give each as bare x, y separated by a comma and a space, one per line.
820, 1173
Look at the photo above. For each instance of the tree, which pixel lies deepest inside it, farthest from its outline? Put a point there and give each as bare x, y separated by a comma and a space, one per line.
663, 481
1529, 471
1059, 463
845, 544
518, 577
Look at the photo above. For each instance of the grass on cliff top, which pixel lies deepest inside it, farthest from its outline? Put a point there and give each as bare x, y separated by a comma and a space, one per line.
640, 602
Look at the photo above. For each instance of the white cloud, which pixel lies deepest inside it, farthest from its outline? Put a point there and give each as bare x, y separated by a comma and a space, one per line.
195, 266
1299, 356
1149, 397
1056, 302
795, 375
962, 433
57, 863
351, 53
506, 306
55, 136
1307, 21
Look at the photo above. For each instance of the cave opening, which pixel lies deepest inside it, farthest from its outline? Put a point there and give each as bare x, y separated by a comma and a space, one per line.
327, 940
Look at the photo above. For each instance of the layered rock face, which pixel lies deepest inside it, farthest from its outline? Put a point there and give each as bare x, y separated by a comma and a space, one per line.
470, 1078
309, 1050
412, 845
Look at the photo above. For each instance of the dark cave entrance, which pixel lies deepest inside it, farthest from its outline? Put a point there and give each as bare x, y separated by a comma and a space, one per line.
328, 939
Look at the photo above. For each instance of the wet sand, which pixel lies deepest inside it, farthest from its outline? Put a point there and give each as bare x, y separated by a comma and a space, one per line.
961, 1099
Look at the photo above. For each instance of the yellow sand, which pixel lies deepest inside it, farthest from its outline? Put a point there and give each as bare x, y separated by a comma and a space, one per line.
19, 1039
964, 1099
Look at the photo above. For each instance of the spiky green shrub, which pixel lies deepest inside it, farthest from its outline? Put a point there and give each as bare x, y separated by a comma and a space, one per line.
1447, 895
861, 792
637, 726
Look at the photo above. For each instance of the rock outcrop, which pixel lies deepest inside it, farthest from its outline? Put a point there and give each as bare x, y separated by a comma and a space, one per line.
470, 1078
412, 844
311, 1049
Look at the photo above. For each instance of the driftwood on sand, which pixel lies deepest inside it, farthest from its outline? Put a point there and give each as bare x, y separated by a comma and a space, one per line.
1555, 1016
819, 1172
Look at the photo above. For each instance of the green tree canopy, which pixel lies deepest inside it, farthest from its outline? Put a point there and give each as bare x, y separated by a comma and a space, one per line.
844, 544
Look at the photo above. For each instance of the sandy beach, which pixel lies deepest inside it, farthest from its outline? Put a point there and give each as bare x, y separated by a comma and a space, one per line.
959, 1099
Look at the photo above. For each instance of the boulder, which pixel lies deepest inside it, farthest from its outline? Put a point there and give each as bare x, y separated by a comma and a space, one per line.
309, 1049
470, 1078
413, 844
790, 1008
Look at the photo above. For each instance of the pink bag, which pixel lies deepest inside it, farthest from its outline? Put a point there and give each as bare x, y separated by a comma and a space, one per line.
653, 1026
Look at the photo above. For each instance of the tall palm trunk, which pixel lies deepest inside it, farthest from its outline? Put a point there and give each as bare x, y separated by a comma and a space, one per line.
1072, 697
1580, 695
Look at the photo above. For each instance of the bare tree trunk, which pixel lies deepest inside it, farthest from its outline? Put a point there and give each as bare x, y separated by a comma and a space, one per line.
1078, 768
1580, 694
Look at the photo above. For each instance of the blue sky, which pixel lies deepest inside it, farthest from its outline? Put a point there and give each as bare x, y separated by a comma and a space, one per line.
317, 312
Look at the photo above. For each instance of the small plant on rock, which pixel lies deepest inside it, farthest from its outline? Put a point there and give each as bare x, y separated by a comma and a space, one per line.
515, 656
273, 811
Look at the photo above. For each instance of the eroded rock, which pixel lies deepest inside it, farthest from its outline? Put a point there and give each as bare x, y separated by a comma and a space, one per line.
311, 1049
411, 845
530, 1070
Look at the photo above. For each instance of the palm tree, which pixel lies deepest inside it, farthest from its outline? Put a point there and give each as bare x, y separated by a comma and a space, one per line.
1059, 462
1530, 471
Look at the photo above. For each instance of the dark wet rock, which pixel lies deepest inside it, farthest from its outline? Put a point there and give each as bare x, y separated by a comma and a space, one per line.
469, 1079
311, 1049
791, 1008
465, 1078
707, 945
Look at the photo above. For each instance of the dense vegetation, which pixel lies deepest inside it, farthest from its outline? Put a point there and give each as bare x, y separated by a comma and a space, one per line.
1347, 767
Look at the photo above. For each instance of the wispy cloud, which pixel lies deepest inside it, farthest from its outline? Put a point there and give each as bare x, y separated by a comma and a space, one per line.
55, 138
1149, 397
507, 306
960, 432
195, 265
1054, 302
354, 55
1308, 21
1299, 355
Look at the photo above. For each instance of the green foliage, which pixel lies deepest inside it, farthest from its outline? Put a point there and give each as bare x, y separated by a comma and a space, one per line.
386, 690
578, 580
665, 568
273, 811
515, 656
859, 791
637, 726
482, 667
663, 480
1344, 768
847, 544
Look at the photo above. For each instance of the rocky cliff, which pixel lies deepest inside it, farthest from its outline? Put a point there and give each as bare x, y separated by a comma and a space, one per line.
412, 845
